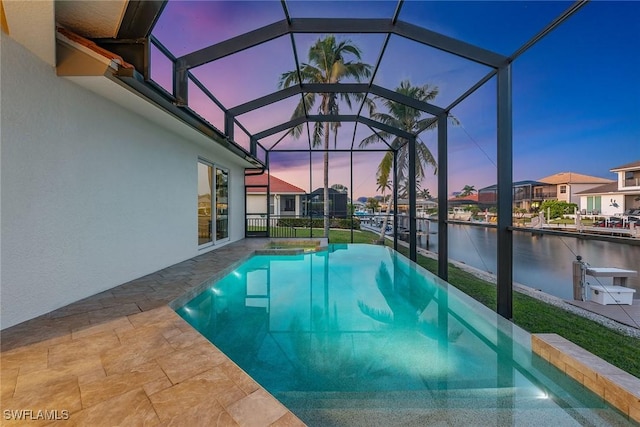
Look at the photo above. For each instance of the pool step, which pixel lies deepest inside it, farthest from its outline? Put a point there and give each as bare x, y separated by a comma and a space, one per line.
483, 397
484, 406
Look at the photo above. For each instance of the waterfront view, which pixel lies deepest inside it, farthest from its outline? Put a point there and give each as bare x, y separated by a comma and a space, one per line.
539, 261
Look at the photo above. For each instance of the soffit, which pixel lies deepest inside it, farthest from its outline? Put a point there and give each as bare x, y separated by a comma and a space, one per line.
32, 24
91, 19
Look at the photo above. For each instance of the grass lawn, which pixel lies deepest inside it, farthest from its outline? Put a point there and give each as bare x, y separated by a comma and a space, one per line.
529, 313
335, 235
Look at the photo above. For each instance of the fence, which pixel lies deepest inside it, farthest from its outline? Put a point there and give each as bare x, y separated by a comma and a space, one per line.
293, 226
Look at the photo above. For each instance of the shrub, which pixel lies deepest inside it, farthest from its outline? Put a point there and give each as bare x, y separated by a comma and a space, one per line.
557, 208
344, 223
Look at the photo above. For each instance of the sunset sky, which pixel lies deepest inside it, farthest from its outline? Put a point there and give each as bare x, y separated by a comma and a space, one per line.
576, 94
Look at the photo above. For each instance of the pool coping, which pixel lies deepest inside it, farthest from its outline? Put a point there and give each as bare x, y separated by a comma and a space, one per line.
617, 387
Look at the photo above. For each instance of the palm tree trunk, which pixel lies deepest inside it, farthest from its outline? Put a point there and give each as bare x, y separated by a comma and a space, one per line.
326, 180
384, 222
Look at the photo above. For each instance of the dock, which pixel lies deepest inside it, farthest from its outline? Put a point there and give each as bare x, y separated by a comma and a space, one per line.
628, 315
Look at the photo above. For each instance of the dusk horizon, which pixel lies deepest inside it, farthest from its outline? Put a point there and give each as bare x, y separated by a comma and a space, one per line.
576, 97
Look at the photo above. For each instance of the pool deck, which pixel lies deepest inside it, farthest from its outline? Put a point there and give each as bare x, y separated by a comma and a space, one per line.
123, 357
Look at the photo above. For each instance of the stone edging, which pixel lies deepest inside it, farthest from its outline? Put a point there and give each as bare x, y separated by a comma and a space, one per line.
615, 386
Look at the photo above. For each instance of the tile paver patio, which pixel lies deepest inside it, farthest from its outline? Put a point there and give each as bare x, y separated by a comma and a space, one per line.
124, 357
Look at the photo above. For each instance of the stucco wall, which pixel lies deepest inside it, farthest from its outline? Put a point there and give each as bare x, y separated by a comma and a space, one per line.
256, 203
92, 195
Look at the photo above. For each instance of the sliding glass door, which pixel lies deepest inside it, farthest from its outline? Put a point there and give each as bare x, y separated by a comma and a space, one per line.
213, 223
222, 204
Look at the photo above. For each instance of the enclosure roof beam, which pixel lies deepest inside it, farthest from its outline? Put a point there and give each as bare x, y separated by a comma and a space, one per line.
404, 29
139, 18
271, 98
336, 26
364, 120
263, 101
333, 118
406, 100
449, 44
389, 129
283, 126
234, 45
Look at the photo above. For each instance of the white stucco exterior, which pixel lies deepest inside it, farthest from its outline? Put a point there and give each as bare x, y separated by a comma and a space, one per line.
570, 191
257, 203
610, 204
92, 194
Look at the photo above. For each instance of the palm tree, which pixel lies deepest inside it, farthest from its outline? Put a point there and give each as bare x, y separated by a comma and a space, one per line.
408, 119
329, 61
384, 184
467, 190
425, 194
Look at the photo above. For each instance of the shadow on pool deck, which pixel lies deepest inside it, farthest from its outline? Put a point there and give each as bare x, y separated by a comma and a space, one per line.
123, 357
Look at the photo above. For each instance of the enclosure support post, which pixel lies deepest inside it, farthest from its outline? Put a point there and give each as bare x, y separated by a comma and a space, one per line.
309, 199
413, 254
253, 147
229, 126
505, 194
268, 195
395, 200
443, 237
352, 206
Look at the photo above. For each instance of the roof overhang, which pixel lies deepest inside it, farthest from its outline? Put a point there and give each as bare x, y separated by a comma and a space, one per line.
106, 74
32, 24
631, 167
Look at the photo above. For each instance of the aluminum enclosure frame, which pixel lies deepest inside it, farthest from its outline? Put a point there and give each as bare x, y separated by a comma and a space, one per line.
501, 68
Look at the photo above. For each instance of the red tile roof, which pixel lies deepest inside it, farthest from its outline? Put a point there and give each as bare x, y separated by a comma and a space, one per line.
471, 198
94, 47
277, 185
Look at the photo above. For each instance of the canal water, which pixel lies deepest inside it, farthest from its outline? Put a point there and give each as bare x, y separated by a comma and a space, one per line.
540, 261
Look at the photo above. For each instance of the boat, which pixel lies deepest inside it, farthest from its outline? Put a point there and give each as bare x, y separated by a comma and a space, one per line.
459, 214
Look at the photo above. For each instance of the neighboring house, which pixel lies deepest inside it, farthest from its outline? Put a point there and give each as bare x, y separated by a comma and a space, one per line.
529, 195
565, 186
314, 205
469, 200
285, 199
616, 198
524, 195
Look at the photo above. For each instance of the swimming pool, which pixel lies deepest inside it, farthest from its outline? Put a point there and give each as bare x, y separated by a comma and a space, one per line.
359, 335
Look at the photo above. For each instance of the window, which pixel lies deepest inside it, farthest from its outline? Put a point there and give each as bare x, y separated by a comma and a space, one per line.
563, 189
594, 204
271, 204
212, 222
289, 203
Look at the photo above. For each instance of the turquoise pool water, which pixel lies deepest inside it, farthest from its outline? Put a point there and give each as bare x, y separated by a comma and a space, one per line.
359, 335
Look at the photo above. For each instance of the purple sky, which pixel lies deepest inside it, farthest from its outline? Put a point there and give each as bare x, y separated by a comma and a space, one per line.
576, 94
